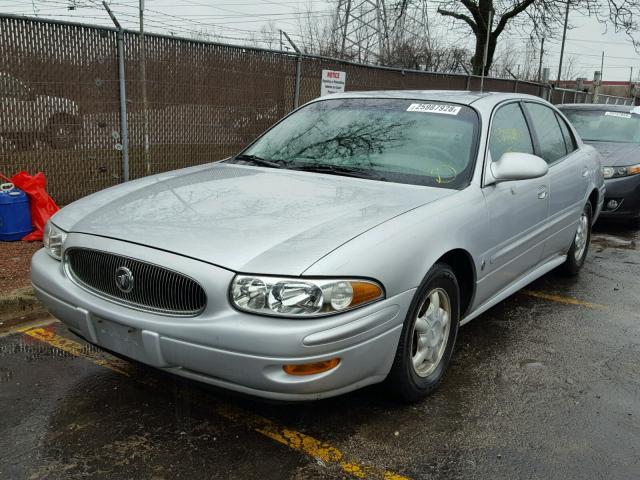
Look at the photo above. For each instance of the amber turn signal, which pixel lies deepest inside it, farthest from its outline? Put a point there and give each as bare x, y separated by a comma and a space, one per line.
365, 292
311, 368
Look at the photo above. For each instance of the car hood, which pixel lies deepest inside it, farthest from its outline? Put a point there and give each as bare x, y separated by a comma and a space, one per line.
617, 154
243, 218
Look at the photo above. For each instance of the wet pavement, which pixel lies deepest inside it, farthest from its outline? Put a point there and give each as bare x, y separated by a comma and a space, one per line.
544, 385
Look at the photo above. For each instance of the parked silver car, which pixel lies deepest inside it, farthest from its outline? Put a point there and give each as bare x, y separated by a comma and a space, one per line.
344, 247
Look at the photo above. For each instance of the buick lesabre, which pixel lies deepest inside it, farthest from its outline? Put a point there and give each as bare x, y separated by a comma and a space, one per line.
344, 247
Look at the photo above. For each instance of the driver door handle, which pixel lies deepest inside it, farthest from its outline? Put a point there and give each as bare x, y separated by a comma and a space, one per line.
542, 192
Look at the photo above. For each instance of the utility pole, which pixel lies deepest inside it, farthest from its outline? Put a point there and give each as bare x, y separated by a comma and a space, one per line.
143, 86
602, 67
486, 48
296, 97
124, 129
564, 38
540, 63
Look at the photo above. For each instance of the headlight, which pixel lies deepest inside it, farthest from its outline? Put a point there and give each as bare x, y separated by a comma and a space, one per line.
301, 297
53, 239
617, 172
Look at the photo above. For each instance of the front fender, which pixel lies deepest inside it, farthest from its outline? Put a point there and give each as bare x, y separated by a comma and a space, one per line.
401, 251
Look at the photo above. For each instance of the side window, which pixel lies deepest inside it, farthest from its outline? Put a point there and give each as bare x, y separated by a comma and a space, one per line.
569, 141
10, 87
509, 132
548, 131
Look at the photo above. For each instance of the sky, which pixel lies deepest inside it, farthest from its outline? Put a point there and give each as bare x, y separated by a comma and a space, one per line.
238, 21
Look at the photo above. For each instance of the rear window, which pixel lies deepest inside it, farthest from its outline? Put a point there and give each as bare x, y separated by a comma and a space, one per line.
605, 126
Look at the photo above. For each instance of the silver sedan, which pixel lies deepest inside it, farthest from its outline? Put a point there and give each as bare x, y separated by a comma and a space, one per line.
344, 247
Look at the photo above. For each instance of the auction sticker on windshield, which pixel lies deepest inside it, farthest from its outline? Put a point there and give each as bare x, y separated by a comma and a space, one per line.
434, 108
618, 114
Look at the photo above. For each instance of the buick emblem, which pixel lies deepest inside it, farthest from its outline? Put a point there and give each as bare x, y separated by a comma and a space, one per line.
124, 279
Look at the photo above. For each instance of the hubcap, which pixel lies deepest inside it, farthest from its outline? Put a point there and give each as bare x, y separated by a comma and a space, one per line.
582, 235
430, 332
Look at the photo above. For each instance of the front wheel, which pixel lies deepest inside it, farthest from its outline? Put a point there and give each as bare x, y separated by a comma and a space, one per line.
428, 336
580, 246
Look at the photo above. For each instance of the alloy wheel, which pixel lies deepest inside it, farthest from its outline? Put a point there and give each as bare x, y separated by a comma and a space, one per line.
431, 332
582, 236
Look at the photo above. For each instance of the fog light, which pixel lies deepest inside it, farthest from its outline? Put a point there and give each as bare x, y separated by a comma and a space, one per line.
612, 204
311, 368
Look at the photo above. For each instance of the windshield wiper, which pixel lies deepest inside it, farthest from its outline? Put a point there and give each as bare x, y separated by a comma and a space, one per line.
338, 170
256, 160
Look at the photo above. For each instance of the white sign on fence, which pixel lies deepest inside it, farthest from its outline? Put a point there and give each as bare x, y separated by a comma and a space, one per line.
332, 82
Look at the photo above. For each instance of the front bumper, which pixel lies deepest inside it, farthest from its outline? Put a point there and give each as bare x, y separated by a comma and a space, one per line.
222, 346
626, 191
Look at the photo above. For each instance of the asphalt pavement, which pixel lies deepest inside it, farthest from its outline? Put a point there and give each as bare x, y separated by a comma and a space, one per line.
546, 385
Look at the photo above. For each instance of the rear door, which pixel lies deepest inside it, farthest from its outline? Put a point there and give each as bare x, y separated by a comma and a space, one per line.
568, 174
517, 209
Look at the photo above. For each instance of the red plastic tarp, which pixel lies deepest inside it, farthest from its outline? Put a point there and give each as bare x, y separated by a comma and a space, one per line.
41, 204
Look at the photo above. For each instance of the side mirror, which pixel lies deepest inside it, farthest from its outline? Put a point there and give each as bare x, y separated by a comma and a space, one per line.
518, 166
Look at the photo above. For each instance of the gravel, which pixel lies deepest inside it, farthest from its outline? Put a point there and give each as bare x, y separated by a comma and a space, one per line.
15, 259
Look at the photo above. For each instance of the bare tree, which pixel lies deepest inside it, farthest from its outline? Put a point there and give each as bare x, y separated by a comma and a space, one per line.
540, 17
572, 69
317, 35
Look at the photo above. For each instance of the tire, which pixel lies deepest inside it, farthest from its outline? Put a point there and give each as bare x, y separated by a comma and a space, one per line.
62, 132
580, 246
410, 383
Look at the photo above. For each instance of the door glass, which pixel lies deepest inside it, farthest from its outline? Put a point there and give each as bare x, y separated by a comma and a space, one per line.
11, 87
568, 137
509, 132
548, 131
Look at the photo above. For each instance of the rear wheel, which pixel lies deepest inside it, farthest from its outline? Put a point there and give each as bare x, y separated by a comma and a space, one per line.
428, 336
580, 246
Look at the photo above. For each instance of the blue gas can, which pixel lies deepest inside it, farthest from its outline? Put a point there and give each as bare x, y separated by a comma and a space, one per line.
15, 218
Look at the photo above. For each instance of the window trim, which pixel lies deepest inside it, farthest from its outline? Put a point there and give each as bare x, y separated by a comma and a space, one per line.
574, 142
487, 153
537, 147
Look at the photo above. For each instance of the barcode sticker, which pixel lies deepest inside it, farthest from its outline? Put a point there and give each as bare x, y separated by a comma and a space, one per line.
434, 108
618, 114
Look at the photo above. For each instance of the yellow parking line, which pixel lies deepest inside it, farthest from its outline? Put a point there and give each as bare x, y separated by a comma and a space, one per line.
562, 299
77, 349
293, 439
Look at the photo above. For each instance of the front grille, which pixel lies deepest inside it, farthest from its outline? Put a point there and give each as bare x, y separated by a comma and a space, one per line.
153, 288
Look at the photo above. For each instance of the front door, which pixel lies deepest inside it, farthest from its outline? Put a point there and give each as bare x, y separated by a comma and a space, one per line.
518, 210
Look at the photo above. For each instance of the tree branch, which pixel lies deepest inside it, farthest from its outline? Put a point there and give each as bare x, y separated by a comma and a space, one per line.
459, 16
518, 9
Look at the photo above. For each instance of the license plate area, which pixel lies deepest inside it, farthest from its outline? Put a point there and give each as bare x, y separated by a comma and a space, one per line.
119, 338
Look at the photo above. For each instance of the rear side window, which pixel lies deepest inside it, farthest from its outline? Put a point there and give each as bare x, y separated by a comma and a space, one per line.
548, 132
569, 141
509, 132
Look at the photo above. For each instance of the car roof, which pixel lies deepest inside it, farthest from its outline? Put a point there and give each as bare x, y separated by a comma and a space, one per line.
599, 106
452, 96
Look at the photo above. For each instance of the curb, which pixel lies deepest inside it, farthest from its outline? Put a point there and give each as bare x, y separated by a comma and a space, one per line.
17, 306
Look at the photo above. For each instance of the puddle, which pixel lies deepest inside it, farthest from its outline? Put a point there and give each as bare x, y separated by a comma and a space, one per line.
604, 242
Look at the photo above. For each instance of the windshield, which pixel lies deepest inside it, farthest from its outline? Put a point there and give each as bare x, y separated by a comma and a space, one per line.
405, 141
605, 126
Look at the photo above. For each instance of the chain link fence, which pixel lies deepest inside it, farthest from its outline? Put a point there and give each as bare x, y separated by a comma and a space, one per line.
59, 99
